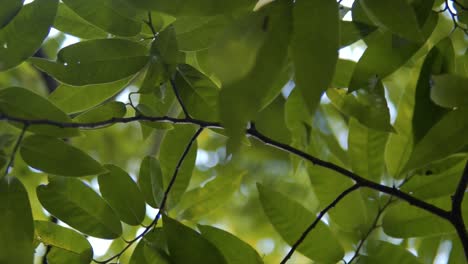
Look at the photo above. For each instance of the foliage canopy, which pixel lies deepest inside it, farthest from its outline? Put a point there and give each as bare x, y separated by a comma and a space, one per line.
207, 131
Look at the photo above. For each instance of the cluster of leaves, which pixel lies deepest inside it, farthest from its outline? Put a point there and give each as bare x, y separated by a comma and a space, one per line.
230, 79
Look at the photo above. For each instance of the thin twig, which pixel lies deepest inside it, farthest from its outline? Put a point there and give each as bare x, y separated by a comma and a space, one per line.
15, 150
162, 207
369, 232
317, 220
179, 98
150, 24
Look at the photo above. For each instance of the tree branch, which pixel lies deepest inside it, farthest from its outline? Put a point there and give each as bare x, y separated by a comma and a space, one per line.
457, 214
317, 220
15, 150
363, 182
162, 207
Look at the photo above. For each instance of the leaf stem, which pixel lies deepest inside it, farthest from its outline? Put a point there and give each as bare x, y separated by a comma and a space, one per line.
15, 150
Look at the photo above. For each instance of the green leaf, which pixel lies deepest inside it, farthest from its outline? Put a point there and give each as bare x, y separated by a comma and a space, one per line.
95, 61
343, 73
101, 49
69, 22
155, 76
106, 16
350, 213
269, 124
78, 74
385, 252
25, 33
320, 245
150, 180
9, 11
213, 195
370, 109
101, 113
23, 103
122, 194
72, 99
437, 61
385, 54
16, 223
197, 33
351, 32
233, 249
315, 61
172, 148
151, 249
365, 147
396, 15
68, 244
54, 156
194, 7
450, 90
446, 137
76, 204
198, 93
436, 179
416, 222
238, 102
166, 48
188, 246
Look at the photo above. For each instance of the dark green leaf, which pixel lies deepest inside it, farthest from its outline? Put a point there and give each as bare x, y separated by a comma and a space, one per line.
22, 103
69, 22
122, 194
54, 156
351, 32
76, 204
150, 181
188, 246
426, 113
319, 245
233, 249
68, 244
385, 54
25, 33
314, 60
101, 113
174, 144
267, 121
95, 61
106, 16
194, 7
16, 223
446, 137
396, 15
9, 11
72, 99
450, 90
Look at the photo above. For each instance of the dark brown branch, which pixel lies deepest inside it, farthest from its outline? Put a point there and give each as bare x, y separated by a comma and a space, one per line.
393, 191
15, 150
317, 220
457, 214
162, 207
